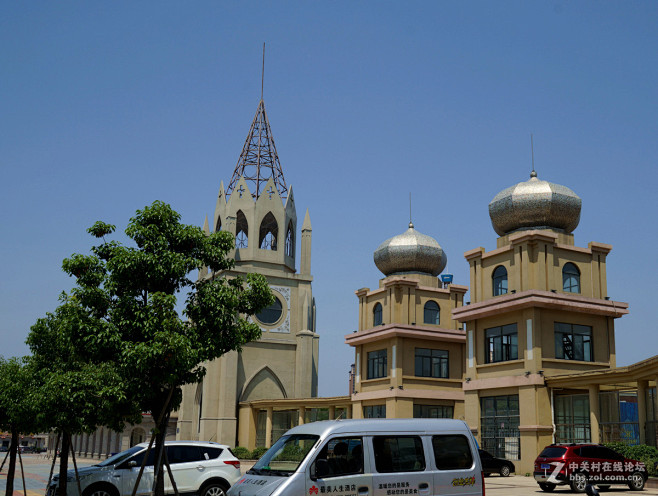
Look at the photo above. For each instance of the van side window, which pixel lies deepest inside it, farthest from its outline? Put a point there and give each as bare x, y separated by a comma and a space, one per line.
452, 452
398, 454
340, 456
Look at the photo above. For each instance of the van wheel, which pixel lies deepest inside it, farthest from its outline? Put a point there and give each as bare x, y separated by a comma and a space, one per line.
636, 481
578, 482
546, 486
214, 489
504, 471
101, 490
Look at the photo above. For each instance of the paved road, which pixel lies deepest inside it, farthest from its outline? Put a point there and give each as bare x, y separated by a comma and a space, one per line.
519, 485
37, 469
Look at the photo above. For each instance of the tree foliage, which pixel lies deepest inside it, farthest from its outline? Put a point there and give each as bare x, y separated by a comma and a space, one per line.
75, 395
18, 407
125, 300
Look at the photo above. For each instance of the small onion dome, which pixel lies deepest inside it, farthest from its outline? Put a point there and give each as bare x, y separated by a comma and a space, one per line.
410, 251
535, 204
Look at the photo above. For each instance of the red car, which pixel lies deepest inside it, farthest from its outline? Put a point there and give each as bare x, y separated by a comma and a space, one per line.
580, 464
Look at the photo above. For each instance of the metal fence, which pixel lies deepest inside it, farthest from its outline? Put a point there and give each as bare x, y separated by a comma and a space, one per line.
619, 432
572, 433
651, 430
501, 442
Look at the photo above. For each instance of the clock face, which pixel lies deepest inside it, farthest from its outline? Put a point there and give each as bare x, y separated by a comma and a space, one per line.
271, 314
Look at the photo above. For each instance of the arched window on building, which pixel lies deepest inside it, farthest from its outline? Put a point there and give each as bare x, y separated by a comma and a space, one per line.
241, 230
290, 241
268, 233
218, 227
499, 281
431, 313
570, 278
377, 315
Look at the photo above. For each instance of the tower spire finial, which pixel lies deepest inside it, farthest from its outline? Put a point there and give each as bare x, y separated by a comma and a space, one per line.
259, 160
262, 74
532, 152
411, 224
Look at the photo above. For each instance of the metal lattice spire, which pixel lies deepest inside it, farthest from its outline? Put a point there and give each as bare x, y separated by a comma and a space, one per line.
259, 160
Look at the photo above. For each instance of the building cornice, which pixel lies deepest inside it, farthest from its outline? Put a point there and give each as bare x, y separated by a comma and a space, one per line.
427, 394
297, 402
399, 281
535, 236
534, 298
644, 370
505, 381
405, 331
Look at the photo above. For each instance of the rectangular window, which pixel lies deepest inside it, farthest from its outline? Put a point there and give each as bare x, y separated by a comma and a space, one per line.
501, 343
433, 411
573, 342
572, 422
431, 363
398, 454
374, 411
452, 452
315, 414
377, 364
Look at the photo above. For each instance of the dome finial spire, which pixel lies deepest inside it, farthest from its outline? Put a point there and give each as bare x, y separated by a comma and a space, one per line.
532, 153
411, 224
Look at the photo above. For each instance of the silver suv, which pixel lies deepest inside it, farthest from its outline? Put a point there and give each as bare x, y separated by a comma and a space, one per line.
203, 468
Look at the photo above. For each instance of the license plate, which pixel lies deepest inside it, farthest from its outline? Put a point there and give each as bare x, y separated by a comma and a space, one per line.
545, 466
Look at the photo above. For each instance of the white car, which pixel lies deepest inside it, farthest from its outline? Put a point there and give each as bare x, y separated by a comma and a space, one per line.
203, 468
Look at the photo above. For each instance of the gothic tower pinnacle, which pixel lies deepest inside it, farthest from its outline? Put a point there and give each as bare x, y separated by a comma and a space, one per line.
259, 160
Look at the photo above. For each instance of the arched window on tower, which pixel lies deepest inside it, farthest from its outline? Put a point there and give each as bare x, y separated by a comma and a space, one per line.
290, 241
218, 227
241, 230
431, 314
377, 315
269, 233
499, 281
570, 278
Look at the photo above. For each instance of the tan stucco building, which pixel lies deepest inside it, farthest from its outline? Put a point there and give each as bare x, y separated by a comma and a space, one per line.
528, 361
259, 208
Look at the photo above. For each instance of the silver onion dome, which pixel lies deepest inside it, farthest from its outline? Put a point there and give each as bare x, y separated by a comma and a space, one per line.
535, 204
410, 251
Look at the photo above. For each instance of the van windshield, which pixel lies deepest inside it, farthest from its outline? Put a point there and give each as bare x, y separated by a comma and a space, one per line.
285, 456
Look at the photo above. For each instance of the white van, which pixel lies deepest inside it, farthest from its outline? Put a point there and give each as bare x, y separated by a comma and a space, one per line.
378, 457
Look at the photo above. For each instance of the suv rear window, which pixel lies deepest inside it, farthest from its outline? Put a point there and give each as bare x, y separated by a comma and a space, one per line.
553, 452
212, 453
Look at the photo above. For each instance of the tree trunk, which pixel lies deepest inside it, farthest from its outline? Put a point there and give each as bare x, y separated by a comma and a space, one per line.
13, 449
63, 464
163, 412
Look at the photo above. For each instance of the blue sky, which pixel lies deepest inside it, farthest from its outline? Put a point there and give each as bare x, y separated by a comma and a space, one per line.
108, 106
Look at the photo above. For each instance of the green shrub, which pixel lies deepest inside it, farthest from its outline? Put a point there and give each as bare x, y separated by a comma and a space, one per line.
241, 453
258, 452
641, 452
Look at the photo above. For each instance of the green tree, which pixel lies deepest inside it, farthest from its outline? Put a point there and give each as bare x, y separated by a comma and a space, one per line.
18, 408
129, 295
74, 394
